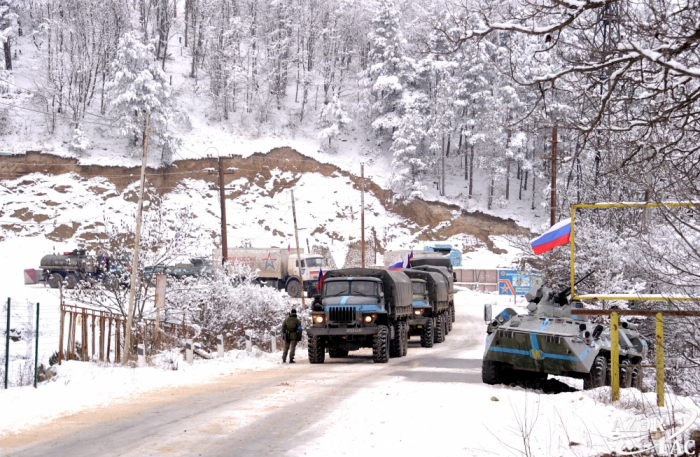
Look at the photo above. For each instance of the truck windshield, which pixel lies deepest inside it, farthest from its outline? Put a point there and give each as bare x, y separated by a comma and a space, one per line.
418, 288
316, 262
361, 288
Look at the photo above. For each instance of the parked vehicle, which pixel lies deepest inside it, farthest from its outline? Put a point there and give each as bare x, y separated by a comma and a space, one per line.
430, 306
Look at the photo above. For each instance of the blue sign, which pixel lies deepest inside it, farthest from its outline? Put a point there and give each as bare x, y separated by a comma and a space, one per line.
517, 282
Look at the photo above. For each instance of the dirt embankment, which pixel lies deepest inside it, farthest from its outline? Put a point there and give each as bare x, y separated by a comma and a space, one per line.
433, 219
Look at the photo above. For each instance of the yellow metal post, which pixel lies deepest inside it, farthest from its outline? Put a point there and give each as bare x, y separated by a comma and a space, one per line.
615, 356
659, 359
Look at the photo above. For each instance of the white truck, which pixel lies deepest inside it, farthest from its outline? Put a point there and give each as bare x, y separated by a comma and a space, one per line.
277, 267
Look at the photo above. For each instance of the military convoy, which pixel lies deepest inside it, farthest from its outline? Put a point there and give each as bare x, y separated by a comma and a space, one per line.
72, 267
550, 340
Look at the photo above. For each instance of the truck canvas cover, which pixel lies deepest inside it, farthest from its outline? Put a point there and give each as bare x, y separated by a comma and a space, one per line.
438, 284
269, 262
436, 260
402, 294
441, 270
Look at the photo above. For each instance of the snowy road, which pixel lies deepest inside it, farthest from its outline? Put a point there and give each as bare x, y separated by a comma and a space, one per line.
256, 413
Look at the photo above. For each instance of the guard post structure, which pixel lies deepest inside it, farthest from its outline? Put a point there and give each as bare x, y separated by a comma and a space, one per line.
141, 350
220, 345
189, 351
273, 341
248, 340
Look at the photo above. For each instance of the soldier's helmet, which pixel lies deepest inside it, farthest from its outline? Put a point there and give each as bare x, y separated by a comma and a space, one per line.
293, 312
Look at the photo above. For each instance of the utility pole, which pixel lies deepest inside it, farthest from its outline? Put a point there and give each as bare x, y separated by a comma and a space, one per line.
443, 167
362, 174
137, 240
553, 202
296, 237
222, 195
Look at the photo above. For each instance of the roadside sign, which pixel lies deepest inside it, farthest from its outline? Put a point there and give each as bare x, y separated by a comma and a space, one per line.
517, 282
160, 291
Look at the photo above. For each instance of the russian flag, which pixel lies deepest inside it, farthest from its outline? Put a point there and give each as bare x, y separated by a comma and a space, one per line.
289, 247
396, 266
407, 262
401, 264
558, 235
319, 284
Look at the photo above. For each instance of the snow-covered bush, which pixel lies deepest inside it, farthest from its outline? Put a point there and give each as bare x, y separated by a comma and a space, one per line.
80, 142
332, 120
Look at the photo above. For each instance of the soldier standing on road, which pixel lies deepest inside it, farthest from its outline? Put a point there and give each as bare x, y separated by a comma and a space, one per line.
291, 331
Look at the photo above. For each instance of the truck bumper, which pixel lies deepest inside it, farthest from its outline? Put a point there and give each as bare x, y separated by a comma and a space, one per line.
325, 331
418, 321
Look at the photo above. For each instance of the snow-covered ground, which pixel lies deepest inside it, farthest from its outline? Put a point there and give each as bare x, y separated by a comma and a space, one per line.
431, 402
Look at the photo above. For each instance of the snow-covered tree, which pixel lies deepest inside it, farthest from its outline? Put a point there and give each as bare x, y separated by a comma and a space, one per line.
332, 119
80, 142
409, 159
8, 28
139, 86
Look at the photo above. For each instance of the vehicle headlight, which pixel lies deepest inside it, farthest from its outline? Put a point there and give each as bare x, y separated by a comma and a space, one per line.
369, 318
318, 319
418, 312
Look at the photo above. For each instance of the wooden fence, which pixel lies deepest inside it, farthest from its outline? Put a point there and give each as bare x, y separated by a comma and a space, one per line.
100, 333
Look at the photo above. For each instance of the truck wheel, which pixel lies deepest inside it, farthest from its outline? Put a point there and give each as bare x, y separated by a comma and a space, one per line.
596, 377
625, 374
293, 288
404, 339
380, 345
54, 280
317, 353
335, 353
450, 319
440, 328
491, 372
636, 378
397, 341
426, 334
452, 311
71, 281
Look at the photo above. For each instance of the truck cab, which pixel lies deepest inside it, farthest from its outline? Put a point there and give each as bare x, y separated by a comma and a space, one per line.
311, 265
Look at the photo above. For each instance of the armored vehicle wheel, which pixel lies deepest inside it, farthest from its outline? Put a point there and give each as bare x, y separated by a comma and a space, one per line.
54, 280
380, 345
636, 378
317, 352
397, 341
596, 377
452, 310
404, 332
71, 281
426, 334
625, 374
449, 320
440, 328
491, 372
293, 288
335, 353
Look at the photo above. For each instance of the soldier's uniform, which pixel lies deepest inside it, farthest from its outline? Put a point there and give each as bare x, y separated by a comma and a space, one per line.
291, 329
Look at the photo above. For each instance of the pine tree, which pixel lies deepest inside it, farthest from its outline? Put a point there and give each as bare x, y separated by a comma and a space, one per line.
332, 120
139, 86
410, 161
8, 24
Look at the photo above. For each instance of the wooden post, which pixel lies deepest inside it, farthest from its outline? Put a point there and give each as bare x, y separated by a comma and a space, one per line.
102, 336
296, 236
71, 336
117, 345
660, 381
84, 337
222, 197
109, 338
442, 188
362, 199
60, 335
93, 335
553, 199
615, 355
137, 240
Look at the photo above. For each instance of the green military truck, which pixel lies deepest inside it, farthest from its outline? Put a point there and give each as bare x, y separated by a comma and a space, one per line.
449, 278
430, 306
361, 308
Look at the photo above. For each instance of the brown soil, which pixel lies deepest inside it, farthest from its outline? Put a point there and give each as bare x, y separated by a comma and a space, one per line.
427, 216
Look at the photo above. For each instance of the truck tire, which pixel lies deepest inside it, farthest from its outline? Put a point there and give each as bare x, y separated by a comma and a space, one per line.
317, 353
636, 378
404, 334
54, 280
450, 319
426, 334
491, 372
336, 353
452, 311
293, 288
625, 374
380, 345
396, 343
440, 328
71, 281
596, 377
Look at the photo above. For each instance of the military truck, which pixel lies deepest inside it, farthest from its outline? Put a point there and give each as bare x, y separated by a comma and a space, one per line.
550, 340
420, 258
71, 267
453, 253
361, 308
278, 268
449, 279
430, 306
195, 267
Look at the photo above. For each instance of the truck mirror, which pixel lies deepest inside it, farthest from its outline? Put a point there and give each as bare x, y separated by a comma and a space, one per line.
381, 294
488, 312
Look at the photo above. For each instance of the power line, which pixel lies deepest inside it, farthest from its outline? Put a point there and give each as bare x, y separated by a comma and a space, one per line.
52, 114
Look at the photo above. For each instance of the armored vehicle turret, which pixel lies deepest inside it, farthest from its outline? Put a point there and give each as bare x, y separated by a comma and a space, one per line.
550, 340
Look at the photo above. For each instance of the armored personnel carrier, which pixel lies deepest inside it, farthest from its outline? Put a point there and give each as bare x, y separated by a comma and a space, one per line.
550, 340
